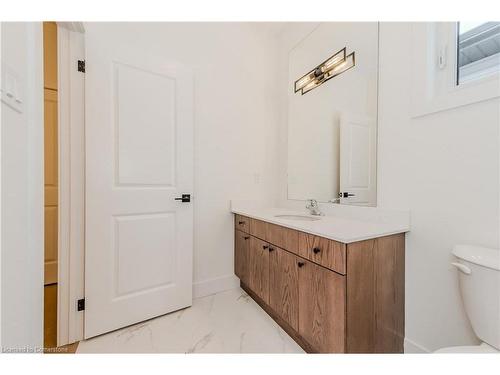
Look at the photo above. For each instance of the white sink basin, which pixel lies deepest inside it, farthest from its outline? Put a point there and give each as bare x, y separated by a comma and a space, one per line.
298, 217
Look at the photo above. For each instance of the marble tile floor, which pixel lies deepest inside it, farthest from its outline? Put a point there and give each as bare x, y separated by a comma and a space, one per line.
226, 322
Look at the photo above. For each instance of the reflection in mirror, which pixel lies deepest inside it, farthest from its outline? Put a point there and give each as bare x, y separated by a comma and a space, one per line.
332, 124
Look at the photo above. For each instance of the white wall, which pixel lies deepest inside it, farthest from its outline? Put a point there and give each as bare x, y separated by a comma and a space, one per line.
235, 115
445, 168
22, 192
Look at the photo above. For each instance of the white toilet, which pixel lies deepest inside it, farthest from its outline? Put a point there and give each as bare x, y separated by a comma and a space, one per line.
479, 279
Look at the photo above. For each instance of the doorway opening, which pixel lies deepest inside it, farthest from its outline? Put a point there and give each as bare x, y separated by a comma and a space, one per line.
51, 183
64, 154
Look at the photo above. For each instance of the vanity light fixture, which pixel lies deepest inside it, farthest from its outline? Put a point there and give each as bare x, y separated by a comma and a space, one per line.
333, 66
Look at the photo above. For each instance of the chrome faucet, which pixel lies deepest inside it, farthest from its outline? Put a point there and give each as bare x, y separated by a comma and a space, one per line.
313, 207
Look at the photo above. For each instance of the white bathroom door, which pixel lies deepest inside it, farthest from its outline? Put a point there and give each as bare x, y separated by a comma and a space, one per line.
139, 159
358, 153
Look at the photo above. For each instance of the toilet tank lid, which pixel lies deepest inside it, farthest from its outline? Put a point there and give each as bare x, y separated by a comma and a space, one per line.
482, 256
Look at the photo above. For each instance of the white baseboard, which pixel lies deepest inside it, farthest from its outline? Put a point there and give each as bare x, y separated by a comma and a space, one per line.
212, 286
413, 348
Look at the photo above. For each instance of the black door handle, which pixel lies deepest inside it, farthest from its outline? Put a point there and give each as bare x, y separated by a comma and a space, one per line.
271, 249
300, 264
184, 198
346, 194
265, 247
246, 237
316, 250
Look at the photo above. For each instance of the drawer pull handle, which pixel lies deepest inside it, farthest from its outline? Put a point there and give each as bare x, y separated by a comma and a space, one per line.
300, 264
271, 249
316, 250
241, 222
246, 237
265, 247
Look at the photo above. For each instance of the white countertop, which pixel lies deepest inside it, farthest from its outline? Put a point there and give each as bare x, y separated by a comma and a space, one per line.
345, 230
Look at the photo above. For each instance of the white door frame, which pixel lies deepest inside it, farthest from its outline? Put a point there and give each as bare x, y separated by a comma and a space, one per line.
71, 123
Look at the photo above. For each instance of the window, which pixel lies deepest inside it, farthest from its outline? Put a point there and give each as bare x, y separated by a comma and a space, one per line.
478, 50
453, 64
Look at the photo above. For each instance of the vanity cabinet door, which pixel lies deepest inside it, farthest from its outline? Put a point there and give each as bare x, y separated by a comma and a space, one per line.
259, 268
321, 307
241, 255
284, 285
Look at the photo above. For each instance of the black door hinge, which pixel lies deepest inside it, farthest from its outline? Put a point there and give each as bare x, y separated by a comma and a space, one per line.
81, 66
80, 305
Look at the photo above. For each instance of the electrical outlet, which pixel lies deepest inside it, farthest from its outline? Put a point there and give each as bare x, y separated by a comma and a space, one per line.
256, 178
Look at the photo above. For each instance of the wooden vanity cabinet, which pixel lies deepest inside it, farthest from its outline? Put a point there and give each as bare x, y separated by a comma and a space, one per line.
330, 297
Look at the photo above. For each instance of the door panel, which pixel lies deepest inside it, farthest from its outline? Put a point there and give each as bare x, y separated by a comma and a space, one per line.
51, 185
144, 242
241, 255
284, 287
322, 308
139, 137
259, 268
145, 157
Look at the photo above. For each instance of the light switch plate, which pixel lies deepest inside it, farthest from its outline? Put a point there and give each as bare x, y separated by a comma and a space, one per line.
10, 89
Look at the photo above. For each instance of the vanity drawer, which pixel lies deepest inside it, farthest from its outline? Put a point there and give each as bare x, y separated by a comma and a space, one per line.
258, 229
328, 253
285, 238
242, 223
277, 235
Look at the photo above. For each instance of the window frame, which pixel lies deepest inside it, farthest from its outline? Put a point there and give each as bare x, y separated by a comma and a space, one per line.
435, 53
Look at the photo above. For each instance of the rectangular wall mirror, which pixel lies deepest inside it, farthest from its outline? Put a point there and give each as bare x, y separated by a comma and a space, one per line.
332, 123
